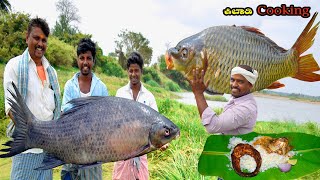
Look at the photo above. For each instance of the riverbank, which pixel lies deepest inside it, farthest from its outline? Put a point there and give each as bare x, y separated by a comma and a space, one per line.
257, 94
270, 108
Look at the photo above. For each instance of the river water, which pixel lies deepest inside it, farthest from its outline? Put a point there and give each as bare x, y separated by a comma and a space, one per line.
271, 109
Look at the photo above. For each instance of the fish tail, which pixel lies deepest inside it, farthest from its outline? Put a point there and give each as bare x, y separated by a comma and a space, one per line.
307, 65
306, 38
23, 118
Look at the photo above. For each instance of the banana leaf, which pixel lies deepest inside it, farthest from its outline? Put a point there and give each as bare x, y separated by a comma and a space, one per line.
213, 160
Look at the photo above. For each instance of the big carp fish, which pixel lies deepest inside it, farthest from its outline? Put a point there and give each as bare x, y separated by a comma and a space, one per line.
218, 49
95, 130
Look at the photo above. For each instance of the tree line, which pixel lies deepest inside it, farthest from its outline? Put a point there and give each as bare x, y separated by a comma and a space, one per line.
65, 34
64, 38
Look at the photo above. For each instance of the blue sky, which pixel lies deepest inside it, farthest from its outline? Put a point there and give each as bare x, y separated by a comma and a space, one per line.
169, 21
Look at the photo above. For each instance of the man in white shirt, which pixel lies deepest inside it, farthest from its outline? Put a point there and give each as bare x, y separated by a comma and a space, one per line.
135, 168
38, 84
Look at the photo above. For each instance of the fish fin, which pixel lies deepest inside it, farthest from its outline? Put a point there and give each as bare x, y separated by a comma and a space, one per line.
309, 77
169, 62
50, 161
252, 29
78, 103
23, 118
146, 150
142, 151
275, 85
137, 162
87, 166
258, 32
307, 65
306, 38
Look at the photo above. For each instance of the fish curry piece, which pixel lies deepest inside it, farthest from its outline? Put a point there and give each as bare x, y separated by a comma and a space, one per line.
274, 145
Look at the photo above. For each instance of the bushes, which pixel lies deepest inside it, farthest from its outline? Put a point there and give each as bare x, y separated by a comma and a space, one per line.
2, 111
153, 83
146, 77
150, 73
111, 67
60, 53
171, 86
13, 27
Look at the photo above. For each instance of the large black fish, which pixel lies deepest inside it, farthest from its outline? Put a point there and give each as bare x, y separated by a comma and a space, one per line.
95, 130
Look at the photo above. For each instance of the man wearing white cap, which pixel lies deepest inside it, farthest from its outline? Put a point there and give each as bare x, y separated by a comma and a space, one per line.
240, 114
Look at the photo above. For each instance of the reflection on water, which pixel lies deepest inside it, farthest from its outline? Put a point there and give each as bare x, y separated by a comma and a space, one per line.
270, 109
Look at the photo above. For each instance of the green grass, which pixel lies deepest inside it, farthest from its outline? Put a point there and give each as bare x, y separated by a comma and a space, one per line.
289, 126
180, 161
2, 112
215, 98
5, 165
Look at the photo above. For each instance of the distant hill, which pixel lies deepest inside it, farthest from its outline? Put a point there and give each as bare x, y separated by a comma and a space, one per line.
293, 96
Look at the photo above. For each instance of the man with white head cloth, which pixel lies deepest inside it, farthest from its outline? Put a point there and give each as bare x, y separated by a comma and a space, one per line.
240, 114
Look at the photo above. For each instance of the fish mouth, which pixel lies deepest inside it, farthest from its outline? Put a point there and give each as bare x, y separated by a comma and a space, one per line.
169, 61
177, 135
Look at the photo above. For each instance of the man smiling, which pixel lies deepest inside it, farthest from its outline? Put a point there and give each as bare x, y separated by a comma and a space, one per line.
240, 114
38, 84
83, 84
135, 168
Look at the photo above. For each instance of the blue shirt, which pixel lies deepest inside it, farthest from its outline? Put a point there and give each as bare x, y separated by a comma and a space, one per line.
72, 90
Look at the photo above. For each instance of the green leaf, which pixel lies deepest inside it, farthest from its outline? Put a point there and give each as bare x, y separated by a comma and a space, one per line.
214, 161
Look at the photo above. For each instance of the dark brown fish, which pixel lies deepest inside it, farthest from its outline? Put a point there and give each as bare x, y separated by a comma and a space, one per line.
95, 130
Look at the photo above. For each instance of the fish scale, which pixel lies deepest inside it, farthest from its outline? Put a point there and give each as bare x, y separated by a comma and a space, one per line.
95, 129
228, 46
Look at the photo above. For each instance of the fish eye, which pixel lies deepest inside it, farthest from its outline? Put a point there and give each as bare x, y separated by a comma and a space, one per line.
166, 132
184, 53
